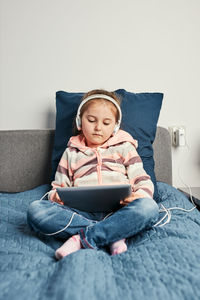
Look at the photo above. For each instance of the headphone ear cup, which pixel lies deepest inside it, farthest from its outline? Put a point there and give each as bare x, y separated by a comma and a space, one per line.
116, 129
78, 123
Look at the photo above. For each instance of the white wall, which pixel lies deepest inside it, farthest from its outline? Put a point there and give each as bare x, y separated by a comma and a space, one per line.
143, 45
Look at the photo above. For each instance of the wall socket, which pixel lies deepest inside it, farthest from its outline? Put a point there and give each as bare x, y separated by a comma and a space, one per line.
178, 135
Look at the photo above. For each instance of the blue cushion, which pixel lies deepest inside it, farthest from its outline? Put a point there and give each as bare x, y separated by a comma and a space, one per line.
140, 113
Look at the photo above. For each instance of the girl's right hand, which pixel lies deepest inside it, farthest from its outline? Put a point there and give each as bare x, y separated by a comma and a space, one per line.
55, 197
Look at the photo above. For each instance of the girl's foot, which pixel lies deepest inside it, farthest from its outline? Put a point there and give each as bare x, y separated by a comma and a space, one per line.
118, 247
73, 244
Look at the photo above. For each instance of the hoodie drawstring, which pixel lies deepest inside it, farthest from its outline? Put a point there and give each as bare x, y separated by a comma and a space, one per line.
99, 164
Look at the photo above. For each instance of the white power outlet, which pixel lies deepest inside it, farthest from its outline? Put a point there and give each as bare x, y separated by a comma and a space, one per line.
178, 135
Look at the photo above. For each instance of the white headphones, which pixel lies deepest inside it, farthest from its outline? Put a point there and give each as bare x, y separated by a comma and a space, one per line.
102, 96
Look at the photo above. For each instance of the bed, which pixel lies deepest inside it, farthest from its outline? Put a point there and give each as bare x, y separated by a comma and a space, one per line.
161, 263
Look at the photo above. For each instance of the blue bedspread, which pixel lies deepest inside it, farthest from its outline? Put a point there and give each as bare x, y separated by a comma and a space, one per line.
161, 263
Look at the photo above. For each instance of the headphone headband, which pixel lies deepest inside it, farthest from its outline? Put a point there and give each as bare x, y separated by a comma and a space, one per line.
98, 96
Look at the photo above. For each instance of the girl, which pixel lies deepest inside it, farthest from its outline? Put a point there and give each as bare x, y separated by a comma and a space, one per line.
99, 154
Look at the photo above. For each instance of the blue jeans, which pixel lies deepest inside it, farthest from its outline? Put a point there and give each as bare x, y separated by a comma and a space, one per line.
95, 229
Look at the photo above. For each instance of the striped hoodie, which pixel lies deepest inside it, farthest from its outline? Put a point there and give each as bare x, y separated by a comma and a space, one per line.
114, 162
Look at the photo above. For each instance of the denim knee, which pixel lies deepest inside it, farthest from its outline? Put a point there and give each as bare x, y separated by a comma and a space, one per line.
35, 213
147, 208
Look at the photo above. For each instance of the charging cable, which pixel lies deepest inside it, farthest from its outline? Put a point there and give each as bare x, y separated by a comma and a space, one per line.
168, 210
187, 186
61, 230
167, 214
44, 196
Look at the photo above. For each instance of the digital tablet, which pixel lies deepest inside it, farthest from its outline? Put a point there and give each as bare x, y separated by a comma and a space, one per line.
100, 198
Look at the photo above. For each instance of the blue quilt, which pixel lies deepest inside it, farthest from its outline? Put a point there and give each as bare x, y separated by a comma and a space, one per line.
161, 263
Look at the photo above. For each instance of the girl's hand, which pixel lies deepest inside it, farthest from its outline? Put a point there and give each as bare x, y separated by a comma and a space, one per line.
130, 199
55, 197
127, 200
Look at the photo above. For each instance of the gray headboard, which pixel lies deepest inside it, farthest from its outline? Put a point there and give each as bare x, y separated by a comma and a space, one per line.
163, 155
25, 158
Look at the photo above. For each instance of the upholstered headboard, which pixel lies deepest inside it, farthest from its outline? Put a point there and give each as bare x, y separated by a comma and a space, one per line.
163, 155
25, 158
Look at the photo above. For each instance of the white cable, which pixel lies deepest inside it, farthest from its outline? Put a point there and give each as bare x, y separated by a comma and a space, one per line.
167, 214
167, 210
187, 186
44, 196
168, 219
160, 221
107, 216
54, 233
183, 209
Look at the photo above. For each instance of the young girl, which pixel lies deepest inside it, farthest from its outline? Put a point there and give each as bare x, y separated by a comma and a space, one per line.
99, 154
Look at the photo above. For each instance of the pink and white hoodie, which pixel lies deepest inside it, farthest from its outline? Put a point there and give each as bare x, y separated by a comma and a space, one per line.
114, 162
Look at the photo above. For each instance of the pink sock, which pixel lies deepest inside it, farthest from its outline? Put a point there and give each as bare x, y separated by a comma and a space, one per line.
73, 244
118, 247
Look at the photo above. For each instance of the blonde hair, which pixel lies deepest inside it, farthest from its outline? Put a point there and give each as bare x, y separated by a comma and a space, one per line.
103, 92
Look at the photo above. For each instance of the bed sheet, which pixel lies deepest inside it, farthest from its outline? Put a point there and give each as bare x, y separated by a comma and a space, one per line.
161, 263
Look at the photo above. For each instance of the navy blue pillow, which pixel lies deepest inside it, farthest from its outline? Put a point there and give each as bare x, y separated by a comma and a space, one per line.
140, 113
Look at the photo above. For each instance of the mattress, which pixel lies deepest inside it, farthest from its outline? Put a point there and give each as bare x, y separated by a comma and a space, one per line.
161, 263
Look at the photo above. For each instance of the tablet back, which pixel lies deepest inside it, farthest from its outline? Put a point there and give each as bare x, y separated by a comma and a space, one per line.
101, 198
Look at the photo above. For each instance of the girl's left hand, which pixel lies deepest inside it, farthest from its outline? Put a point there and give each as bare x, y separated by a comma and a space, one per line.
130, 199
127, 200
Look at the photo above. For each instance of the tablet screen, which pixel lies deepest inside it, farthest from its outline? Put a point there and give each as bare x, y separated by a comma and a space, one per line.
100, 198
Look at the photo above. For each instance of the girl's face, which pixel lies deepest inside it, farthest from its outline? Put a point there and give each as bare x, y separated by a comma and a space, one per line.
98, 122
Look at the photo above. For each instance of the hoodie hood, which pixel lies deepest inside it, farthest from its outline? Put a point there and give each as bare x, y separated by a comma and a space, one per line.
121, 136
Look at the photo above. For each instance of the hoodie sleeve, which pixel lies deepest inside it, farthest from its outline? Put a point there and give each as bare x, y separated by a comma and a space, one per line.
142, 185
63, 175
